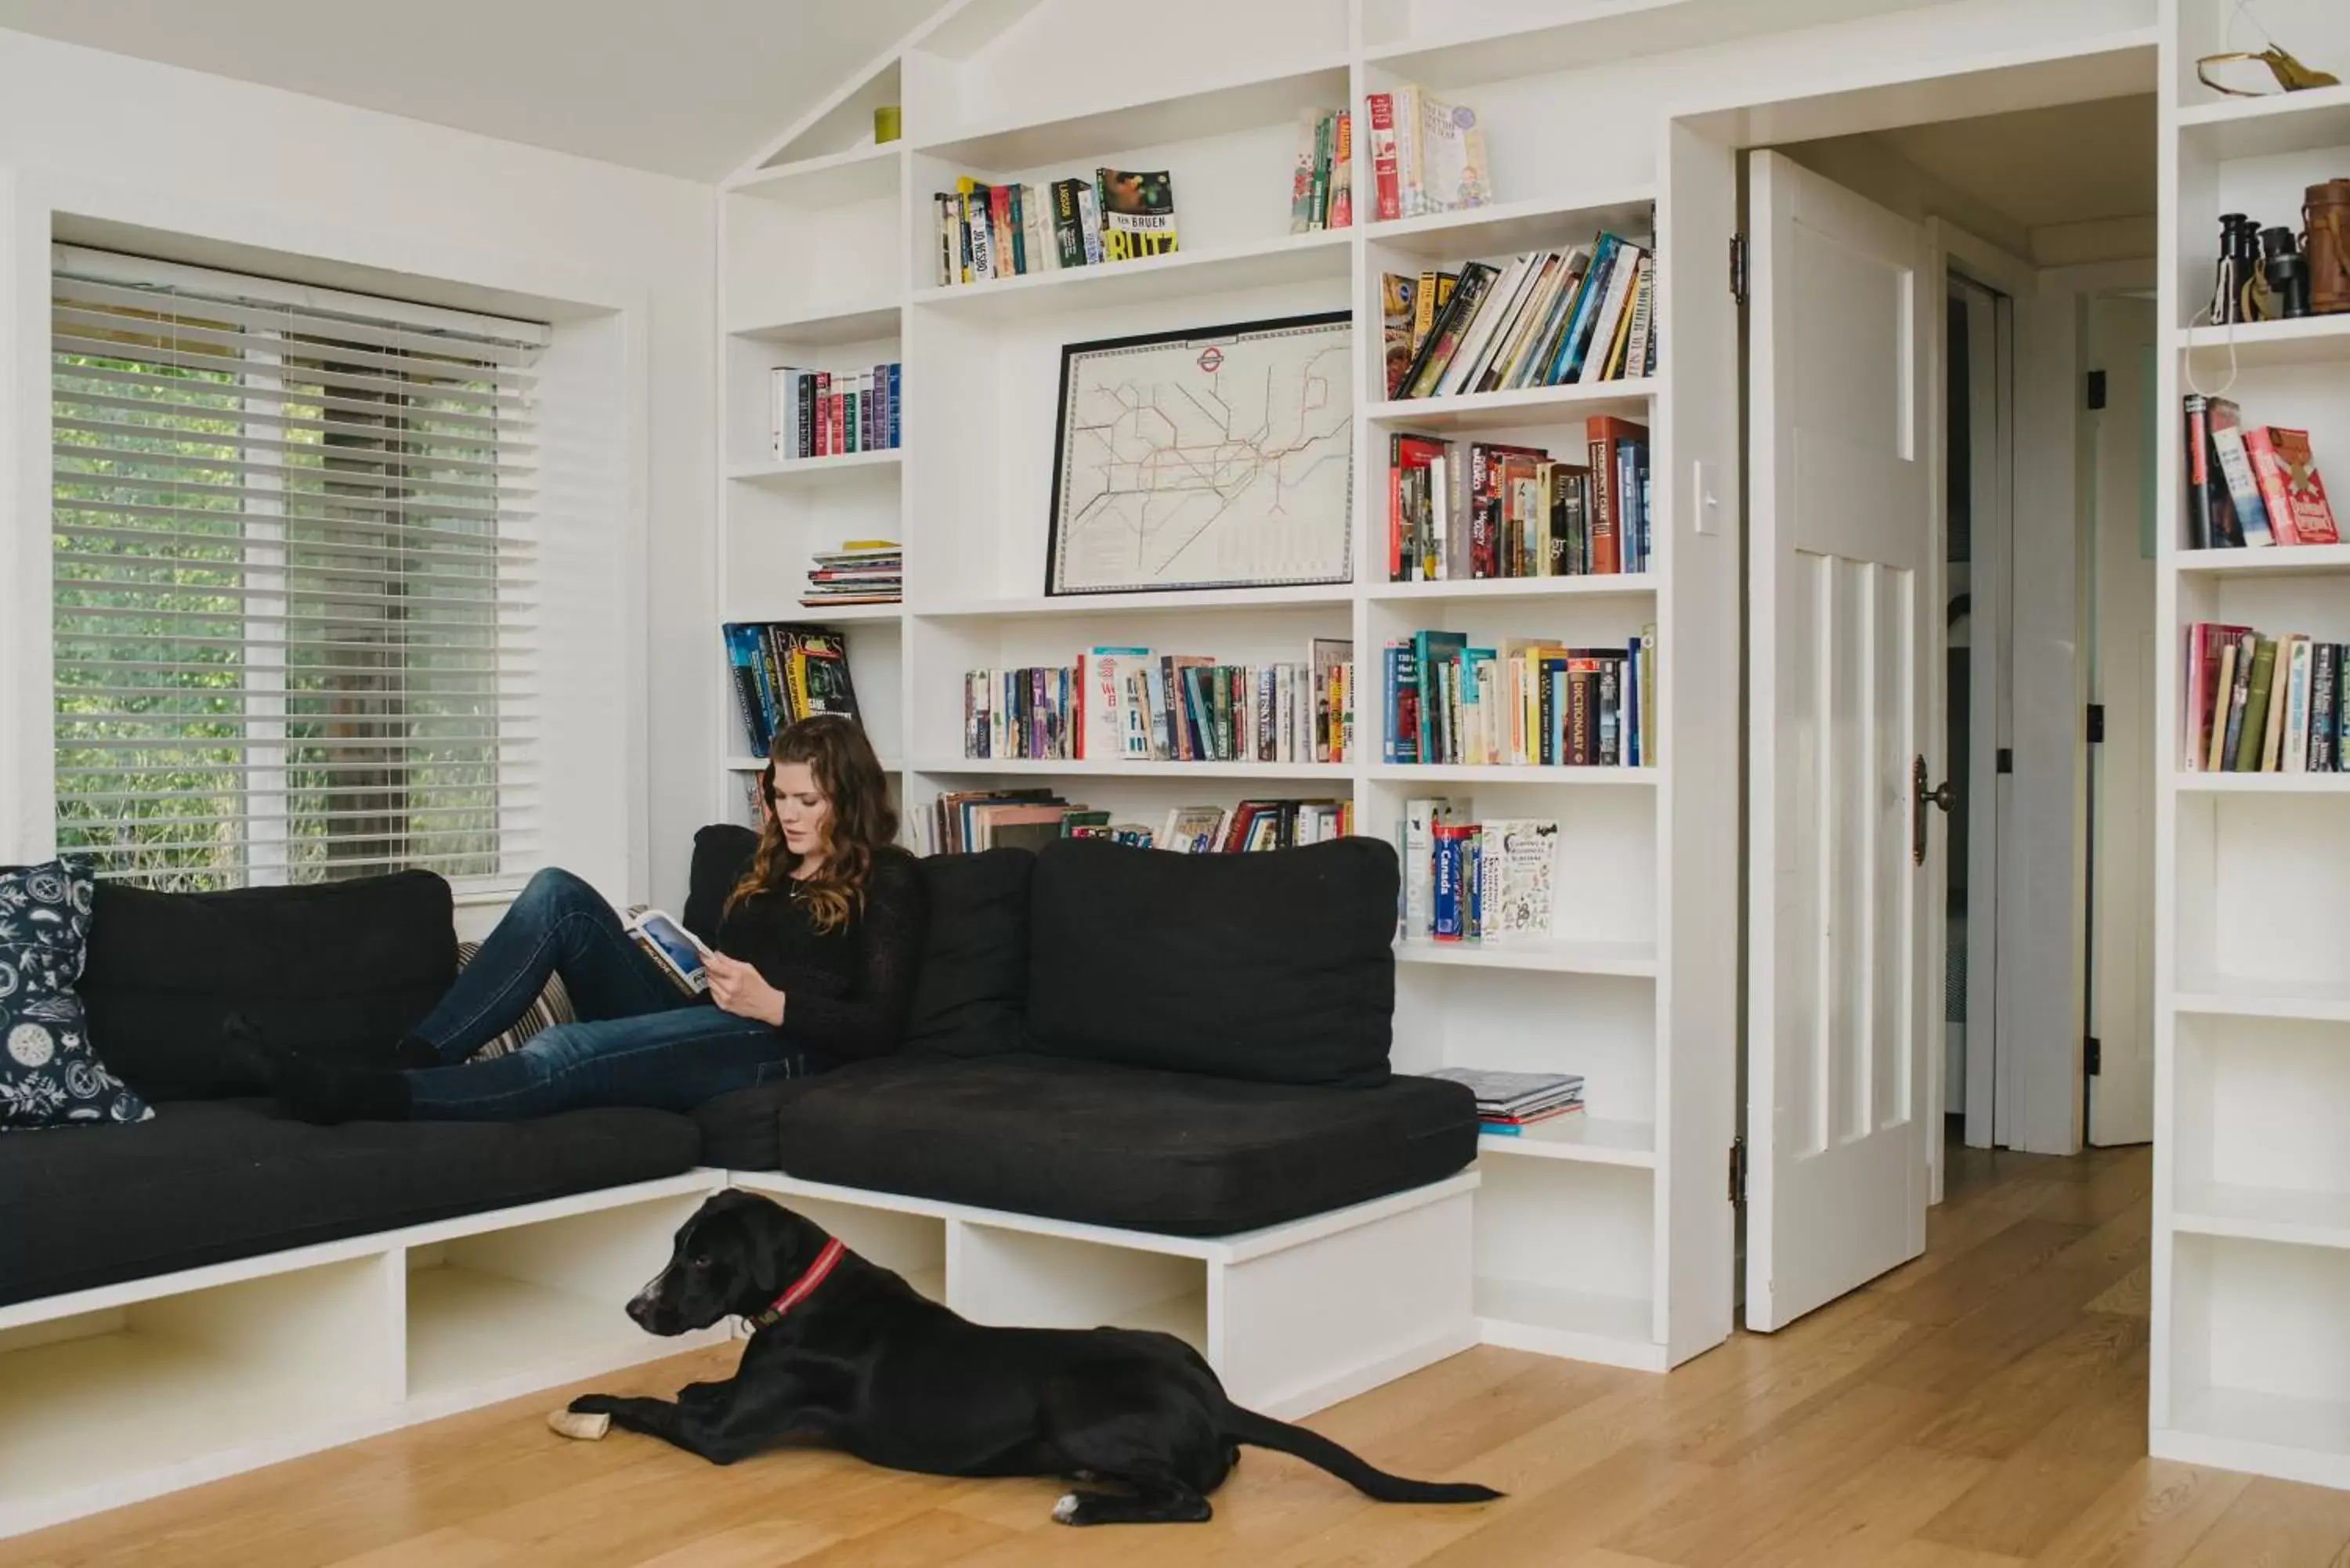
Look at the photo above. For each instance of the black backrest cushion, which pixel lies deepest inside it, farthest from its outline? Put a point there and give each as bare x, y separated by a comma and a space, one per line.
341, 969
1276, 966
973, 988
722, 853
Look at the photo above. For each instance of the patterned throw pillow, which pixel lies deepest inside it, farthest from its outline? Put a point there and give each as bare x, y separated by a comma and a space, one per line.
553, 1007
50, 1075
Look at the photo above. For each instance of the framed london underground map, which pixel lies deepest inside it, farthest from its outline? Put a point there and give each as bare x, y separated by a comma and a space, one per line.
1219, 457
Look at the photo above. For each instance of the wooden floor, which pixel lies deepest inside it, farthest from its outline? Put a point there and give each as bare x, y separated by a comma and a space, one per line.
1984, 1407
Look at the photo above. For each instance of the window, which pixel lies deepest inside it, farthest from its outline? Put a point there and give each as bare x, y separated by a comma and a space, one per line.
294, 579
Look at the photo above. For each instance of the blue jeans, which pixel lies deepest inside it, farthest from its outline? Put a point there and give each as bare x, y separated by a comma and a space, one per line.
639, 1040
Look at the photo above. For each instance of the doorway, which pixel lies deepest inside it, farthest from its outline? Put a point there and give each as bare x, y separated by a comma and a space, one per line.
2023, 229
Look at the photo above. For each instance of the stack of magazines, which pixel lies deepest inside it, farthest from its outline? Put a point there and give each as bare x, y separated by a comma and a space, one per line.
861, 572
1509, 1103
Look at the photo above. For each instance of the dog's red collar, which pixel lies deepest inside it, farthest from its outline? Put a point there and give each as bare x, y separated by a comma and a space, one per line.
803, 1287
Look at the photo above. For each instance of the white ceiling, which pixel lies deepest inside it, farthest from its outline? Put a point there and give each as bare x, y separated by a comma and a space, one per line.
2040, 166
691, 88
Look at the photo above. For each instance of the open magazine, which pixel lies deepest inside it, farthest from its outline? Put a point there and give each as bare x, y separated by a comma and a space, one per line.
678, 951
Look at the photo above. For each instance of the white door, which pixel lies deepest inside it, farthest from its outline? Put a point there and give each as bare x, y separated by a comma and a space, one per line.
2121, 651
1841, 644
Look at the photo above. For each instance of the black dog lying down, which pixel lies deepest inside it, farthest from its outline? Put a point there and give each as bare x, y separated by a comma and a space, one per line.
847, 1354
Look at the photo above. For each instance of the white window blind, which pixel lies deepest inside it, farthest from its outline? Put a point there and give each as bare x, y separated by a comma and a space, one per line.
294, 580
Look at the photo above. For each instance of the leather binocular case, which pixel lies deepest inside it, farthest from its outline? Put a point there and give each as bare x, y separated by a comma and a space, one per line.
2325, 245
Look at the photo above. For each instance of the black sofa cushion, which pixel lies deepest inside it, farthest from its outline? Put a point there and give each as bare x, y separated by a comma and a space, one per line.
208, 1182
974, 984
339, 969
1173, 1153
722, 853
1276, 967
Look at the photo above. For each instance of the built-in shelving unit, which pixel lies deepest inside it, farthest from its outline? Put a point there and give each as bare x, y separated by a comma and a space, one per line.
1583, 1232
2251, 1246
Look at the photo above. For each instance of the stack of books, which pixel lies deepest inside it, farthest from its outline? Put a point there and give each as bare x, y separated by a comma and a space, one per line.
1322, 185
861, 572
831, 413
962, 821
1546, 319
1470, 881
2257, 704
1509, 1103
782, 674
1130, 704
1527, 701
1427, 155
2251, 485
987, 231
1488, 509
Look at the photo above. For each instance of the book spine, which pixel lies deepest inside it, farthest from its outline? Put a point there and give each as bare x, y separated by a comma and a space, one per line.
1342, 172
1444, 900
2324, 675
1089, 225
2236, 467
1387, 199
1301, 174
2268, 475
1605, 556
1068, 232
897, 373
1318, 195
2294, 748
2198, 475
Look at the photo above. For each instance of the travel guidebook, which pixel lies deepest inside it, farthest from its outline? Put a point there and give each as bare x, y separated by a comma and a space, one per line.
678, 951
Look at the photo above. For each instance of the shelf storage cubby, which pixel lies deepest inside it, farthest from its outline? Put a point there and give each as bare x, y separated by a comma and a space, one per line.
1608, 1236
2252, 1209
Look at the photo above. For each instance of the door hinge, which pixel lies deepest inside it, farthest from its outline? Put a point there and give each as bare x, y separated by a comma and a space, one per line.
2093, 1059
1738, 269
1737, 1168
2096, 388
2006, 759
2097, 724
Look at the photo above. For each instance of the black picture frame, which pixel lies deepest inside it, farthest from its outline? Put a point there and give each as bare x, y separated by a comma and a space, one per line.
1073, 354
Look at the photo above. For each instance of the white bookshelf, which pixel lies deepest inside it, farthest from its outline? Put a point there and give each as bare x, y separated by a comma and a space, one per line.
2252, 1209
1609, 1236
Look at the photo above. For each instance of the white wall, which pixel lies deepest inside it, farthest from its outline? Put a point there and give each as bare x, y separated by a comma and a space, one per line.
279, 170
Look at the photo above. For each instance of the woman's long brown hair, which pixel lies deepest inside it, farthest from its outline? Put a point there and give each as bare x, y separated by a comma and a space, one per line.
862, 820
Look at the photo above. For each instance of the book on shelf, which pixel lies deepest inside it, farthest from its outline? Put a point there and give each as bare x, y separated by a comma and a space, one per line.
1119, 703
987, 231
1428, 154
2250, 486
967, 821
1321, 185
1525, 701
1476, 509
1509, 1103
785, 673
861, 572
832, 413
2252, 703
1471, 881
1546, 318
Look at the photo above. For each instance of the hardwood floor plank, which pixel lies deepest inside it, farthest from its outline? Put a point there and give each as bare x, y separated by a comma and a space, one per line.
2152, 1517
2278, 1524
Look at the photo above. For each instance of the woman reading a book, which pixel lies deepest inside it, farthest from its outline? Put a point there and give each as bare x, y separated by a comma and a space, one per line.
813, 965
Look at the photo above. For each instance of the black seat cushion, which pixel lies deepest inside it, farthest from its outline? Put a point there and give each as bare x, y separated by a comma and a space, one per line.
1172, 1153
739, 1129
973, 988
338, 969
208, 1182
1277, 966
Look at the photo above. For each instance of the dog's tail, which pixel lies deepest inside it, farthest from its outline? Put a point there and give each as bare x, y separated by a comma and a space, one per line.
1264, 1432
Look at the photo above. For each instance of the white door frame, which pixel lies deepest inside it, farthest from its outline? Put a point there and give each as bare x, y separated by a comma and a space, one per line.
2077, 71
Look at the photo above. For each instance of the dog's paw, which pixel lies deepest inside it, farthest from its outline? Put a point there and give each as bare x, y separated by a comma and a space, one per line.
594, 1405
1065, 1510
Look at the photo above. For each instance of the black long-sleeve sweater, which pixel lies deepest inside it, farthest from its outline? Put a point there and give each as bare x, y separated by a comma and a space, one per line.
845, 991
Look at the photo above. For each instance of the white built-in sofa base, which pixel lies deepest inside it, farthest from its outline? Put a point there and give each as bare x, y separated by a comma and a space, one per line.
113, 1395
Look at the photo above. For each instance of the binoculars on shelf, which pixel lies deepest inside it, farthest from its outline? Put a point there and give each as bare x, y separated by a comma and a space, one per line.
2274, 274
